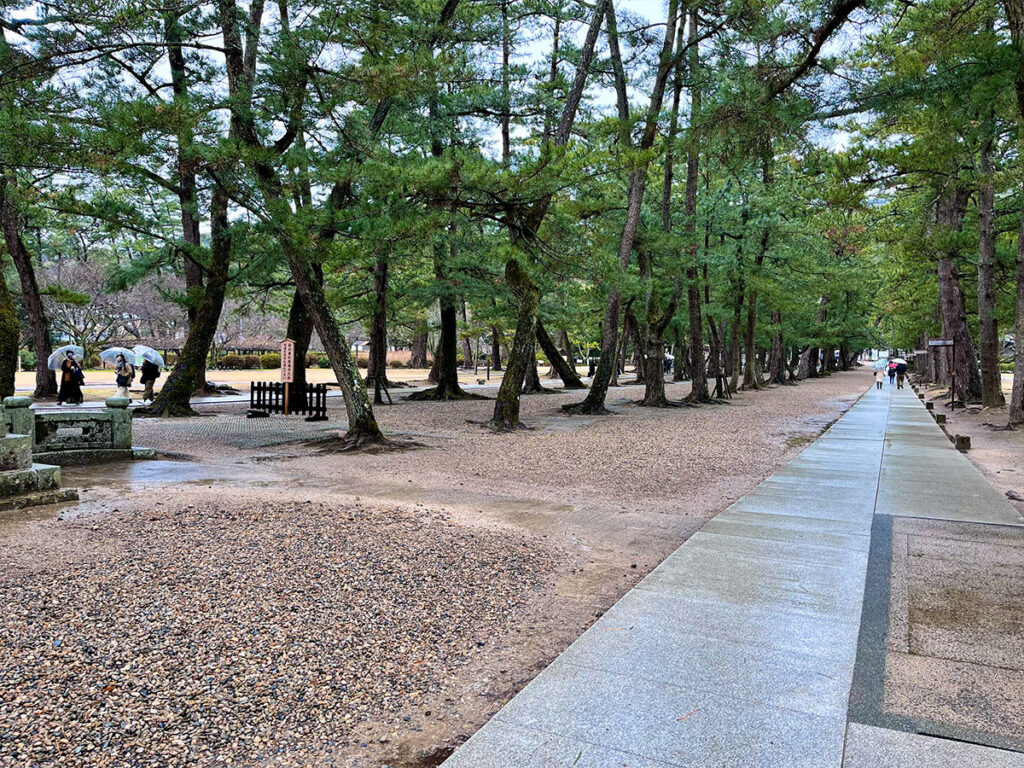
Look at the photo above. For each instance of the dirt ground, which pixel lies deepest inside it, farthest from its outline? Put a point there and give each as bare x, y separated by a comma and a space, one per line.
524, 539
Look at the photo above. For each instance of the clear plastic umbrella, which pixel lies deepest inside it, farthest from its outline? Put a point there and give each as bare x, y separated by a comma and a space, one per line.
60, 354
898, 361
110, 355
880, 364
142, 352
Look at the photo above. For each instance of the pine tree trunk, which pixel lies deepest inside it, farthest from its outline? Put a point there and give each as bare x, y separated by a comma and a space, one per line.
777, 359
467, 348
377, 365
506, 407
495, 349
418, 357
991, 377
570, 379
300, 330
1016, 415
175, 396
9, 333
39, 324
1015, 19
949, 213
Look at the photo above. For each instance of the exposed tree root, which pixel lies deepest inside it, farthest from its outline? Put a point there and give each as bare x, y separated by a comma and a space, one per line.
664, 402
497, 426
157, 411
446, 393
387, 383
585, 409
361, 443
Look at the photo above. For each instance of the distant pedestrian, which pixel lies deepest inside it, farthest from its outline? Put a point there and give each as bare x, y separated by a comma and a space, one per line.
892, 373
879, 378
901, 374
150, 373
71, 380
124, 372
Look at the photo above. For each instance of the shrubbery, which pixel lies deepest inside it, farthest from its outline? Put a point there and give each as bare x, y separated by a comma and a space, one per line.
270, 360
323, 362
28, 359
240, 362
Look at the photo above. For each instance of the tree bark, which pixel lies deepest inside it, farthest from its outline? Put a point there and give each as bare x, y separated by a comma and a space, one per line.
506, 407
567, 373
175, 395
187, 198
467, 348
39, 324
495, 349
991, 377
418, 358
948, 216
1015, 19
1016, 415
377, 365
777, 360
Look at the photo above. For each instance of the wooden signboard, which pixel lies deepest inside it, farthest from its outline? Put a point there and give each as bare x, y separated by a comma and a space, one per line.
287, 361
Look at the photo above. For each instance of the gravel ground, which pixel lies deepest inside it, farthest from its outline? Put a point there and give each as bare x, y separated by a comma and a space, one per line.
216, 633
268, 591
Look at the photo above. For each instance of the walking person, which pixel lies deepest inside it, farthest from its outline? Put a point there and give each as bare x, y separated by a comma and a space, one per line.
124, 373
879, 378
71, 380
892, 373
901, 374
150, 373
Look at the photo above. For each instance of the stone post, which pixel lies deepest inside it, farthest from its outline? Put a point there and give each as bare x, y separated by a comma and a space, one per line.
18, 417
120, 422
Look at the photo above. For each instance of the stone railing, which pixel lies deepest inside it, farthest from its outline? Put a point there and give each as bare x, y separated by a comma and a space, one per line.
74, 437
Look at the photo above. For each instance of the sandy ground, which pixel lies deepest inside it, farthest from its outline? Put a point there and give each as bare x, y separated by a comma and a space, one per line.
545, 529
99, 383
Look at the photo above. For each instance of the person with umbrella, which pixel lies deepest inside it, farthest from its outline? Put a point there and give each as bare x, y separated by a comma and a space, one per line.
71, 380
124, 372
892, 372
151, 362
901, 371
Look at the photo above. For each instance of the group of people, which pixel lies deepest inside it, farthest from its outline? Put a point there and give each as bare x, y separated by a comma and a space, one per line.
896, 371
72, 378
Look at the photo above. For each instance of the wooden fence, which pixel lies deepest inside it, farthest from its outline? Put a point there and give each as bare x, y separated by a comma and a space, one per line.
277, 397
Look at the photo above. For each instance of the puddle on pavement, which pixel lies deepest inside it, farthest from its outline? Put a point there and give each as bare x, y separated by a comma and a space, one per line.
132, 475
12, 519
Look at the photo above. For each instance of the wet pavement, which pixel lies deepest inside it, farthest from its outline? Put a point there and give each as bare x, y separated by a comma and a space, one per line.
744, 647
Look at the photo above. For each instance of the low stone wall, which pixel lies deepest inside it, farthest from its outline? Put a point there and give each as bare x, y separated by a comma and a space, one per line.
71, 437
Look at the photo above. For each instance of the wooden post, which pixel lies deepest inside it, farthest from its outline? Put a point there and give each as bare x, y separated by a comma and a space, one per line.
287, 371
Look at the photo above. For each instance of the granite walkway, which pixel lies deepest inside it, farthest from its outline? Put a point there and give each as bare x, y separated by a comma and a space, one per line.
739, 649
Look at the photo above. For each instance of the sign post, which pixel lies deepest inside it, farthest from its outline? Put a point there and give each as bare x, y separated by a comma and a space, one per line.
951, 343
287, 370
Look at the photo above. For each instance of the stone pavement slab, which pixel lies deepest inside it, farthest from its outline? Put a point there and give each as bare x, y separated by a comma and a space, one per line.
871, 747
739, 649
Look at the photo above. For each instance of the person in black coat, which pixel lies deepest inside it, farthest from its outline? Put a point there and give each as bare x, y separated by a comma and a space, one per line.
150, 373
71, 379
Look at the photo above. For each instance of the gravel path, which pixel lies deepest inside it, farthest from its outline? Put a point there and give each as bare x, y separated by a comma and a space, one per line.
216, 633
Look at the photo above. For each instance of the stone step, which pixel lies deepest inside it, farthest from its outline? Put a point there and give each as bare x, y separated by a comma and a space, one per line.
15, 452
38, 477
38, 498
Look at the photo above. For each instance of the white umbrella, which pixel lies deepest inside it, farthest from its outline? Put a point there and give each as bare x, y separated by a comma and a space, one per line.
60, 354
148, 353
110, 355
899, 361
